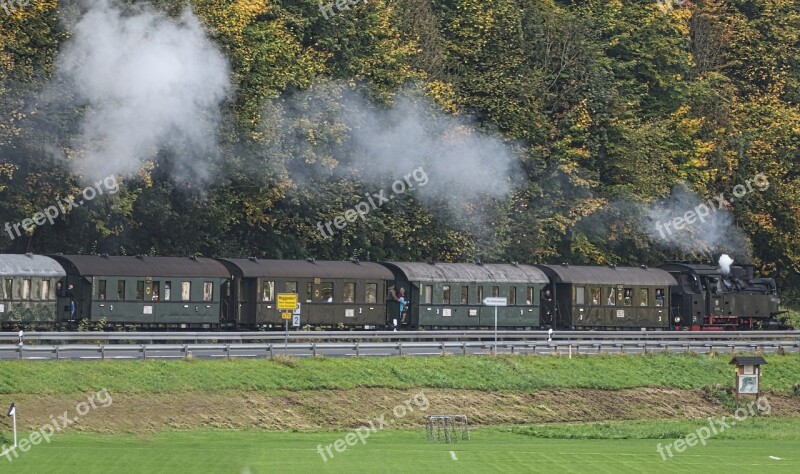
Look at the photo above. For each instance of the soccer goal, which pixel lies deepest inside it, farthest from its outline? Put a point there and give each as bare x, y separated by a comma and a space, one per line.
447, 428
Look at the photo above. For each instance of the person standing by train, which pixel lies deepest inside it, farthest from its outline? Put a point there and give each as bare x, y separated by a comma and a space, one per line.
401, 298
70, 293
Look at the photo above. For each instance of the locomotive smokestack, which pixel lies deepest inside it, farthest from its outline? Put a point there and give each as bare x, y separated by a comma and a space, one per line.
725, 264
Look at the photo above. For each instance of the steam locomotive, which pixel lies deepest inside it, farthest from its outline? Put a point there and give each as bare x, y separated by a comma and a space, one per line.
176, 293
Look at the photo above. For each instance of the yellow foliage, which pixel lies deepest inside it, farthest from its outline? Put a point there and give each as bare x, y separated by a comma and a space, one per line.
229, 19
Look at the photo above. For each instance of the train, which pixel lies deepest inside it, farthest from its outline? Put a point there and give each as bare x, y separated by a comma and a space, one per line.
62, 292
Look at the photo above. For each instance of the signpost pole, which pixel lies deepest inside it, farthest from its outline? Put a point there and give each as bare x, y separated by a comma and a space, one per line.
286, 302
495, 301
495, 330
12, 412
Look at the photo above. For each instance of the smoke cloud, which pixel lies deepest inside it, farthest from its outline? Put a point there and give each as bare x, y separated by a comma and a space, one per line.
149, 85
376, 144
693, 226
464, 163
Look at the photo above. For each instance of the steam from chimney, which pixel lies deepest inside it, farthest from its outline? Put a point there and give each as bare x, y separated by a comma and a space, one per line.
725, 263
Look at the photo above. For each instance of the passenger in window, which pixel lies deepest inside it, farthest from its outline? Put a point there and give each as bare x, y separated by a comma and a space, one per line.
659, 297
628, 297
611, 300
155, 294
392, 293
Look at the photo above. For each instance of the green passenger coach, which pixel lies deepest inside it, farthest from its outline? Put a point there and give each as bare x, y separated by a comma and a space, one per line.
331, 294
28, 291
588, 297
146, 292
450, 295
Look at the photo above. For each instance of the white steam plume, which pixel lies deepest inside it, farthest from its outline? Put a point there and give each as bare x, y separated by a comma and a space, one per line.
377, 144
464, 164
149, 84
725, 263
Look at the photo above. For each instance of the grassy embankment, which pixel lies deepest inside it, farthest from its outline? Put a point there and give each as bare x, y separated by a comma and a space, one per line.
504, 373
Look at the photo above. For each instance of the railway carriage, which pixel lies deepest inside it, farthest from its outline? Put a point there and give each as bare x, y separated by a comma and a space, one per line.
450, 295
147, 292
329, 293
29, 284
588, 297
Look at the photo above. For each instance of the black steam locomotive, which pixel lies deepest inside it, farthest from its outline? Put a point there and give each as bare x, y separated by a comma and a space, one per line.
174, 293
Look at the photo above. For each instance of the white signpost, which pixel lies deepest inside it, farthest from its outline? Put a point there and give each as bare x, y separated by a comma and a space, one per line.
495, 301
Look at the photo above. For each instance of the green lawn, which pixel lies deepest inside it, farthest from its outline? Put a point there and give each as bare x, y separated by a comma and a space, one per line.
488, 450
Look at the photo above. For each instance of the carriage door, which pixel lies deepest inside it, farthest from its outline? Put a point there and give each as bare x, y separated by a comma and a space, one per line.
714, 298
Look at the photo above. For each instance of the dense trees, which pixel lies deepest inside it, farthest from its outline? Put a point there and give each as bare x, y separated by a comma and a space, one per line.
605, 106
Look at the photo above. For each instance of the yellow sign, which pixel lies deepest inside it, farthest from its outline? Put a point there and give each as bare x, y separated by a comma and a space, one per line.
287, 301
286, 315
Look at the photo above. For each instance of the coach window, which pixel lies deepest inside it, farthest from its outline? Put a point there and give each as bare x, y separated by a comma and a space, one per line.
186, 291
612, 297
327, 291
659, 297
309, 291
140, 289
495, 291
267, 290
529, 296
644, 295
45, 289
446, 294
101, 290
480, 295
464, 295
428, 294
8, 286
512, 295
121, 289
595, 295
208, 291
291, 287
578, 296
627, 297
167, 290
349, 292
26, 288
371, 293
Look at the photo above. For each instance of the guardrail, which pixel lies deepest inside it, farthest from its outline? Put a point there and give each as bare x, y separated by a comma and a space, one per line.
402, 348
390, 336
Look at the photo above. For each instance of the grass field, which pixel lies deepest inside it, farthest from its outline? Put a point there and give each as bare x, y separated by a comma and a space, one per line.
210, 416
488, 450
